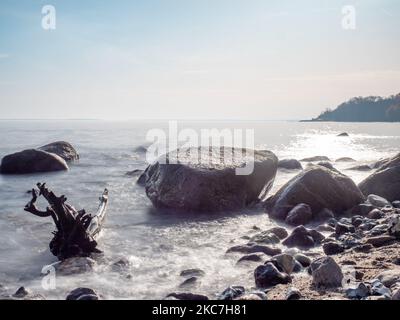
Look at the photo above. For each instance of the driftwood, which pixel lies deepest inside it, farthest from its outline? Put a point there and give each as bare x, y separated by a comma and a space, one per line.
76, 230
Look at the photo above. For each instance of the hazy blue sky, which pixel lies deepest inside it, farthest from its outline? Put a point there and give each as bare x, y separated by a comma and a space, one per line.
222, 59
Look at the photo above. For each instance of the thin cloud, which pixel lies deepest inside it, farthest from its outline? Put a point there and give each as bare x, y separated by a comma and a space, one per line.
4, 55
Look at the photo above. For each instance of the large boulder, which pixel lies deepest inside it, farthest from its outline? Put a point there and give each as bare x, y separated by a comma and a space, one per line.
385, 182
318, 187
32, 161
207, 180
63, 149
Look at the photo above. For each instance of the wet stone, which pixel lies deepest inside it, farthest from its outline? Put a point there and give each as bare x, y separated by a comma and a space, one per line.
231, 293
82, 294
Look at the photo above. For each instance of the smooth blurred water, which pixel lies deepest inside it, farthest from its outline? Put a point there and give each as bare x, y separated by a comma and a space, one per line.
158, 245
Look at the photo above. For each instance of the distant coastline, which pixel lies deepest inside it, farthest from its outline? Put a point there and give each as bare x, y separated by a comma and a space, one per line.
363, 109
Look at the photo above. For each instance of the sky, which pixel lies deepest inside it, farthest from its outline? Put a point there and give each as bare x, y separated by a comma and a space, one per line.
194, 59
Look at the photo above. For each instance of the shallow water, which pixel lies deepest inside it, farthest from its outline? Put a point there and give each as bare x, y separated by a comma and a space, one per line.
158, 245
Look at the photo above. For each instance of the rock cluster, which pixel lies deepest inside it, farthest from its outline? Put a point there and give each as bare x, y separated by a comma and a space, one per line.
51, 157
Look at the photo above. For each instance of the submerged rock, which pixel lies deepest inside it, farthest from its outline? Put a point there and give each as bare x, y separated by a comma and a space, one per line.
62, 149
362, 167
377, 288
200, 181
187, 296
75, 265
254, 248
343, 134
318, 187
32, 161
82, 294
396, 292
254, 257
342, 228
326, 273
290, 164
268, 275
192, 273
327, 165
134, 173
345, 159
265, 237
316, 158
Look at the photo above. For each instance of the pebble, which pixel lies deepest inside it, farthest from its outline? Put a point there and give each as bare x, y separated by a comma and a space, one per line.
265, 237
377, 288
254, 257
361, 290
378, 230
380, 241
75, 265
342, 228
396, 292
356, 222
249, 297
325, 228
303, 260
82, 294
293, 294
326, 273
332, 248
231, 293
349, 240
